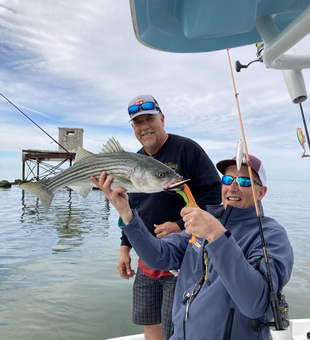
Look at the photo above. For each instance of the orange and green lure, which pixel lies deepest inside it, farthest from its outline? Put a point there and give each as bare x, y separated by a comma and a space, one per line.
190, 202
302, 139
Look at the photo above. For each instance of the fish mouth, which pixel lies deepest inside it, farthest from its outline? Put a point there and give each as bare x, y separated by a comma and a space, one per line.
178, 185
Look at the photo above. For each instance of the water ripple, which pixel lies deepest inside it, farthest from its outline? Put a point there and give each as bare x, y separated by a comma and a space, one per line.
58, 276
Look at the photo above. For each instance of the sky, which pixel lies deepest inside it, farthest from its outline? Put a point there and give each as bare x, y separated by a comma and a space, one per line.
77, 64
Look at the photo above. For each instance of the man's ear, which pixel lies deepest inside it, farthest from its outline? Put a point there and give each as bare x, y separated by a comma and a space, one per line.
261, 193
162, 118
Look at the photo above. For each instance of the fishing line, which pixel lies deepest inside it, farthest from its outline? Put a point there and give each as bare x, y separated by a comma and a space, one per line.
273, 296
26, 121
36, 124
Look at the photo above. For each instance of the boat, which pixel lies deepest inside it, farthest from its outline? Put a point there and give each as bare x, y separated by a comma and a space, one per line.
206, 25
275, 27
129, 337
297, 330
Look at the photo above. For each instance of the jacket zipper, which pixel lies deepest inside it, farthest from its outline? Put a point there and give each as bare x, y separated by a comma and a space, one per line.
229, 323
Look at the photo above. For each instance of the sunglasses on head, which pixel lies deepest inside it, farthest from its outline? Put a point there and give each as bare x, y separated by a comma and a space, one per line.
144, 106
243, 181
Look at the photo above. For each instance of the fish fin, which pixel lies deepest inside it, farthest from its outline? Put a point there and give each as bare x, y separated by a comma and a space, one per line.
82, 153
38, 189
83, 191
123, 182
111, 146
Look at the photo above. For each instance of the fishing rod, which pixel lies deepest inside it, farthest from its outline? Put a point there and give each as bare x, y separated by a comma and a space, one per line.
36, 124
279, 325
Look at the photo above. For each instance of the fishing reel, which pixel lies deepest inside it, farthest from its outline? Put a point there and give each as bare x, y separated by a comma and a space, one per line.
259, 54
283, 311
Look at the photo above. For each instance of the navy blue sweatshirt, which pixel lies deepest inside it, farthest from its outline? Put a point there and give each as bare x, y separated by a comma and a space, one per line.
189, 160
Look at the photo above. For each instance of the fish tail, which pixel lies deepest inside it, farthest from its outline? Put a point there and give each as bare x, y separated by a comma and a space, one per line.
38, 189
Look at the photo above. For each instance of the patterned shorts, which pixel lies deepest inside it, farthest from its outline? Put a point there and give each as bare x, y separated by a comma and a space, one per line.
153, 300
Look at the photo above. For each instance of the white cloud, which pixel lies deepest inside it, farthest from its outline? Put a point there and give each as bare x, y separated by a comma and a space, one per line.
79, 63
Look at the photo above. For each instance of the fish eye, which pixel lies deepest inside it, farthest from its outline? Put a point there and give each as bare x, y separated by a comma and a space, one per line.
161, 174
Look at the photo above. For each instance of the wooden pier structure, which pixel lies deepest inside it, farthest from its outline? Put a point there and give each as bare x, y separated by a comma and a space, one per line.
36, 160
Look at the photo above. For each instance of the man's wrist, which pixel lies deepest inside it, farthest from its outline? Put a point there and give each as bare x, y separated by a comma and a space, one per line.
127, 216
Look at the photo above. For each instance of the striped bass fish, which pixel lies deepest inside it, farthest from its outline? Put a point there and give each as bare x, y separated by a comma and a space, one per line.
134, 172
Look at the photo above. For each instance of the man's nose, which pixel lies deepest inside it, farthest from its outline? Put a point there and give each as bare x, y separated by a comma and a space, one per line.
145, 123
234, 185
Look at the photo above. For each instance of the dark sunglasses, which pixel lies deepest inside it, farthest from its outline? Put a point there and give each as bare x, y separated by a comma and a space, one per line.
243, 181
144, 106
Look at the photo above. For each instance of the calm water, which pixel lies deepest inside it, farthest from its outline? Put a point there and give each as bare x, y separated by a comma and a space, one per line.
58, 276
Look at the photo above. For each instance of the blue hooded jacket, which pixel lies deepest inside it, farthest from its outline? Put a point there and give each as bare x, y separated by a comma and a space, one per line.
237, 289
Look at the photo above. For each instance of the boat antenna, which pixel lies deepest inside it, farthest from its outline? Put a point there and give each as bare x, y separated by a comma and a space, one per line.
273, 296
17, 108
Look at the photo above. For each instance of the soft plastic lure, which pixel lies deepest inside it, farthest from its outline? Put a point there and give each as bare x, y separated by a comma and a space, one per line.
239, 158
190, 202
301, 138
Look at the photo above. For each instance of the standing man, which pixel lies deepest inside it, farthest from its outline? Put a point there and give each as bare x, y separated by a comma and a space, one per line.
222, 290
153, 290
